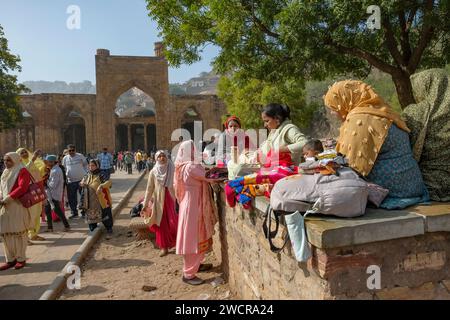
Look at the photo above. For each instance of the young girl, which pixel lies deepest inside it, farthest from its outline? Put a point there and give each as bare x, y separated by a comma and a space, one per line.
197, 215
96, 198
163, 218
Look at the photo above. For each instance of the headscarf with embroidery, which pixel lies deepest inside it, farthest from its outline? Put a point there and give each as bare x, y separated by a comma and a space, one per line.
164, 172
366, 122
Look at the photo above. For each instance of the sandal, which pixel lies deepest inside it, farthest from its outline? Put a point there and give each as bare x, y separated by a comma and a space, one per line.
8, 265
194, 281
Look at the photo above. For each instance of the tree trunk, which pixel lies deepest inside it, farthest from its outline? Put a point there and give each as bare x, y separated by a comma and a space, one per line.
404, 89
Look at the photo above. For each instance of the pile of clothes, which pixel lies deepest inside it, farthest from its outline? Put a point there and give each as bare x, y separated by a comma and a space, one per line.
326, 163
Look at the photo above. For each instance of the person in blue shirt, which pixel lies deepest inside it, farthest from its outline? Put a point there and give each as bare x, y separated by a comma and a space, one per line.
106, 163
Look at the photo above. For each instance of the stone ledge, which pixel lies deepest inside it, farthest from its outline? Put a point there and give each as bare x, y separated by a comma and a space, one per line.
436, 216
375, 225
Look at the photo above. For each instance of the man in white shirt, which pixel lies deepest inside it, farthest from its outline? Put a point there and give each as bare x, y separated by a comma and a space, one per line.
54, 190
76, 168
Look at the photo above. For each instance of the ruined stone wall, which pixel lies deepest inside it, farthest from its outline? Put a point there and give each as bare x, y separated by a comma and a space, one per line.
413, 267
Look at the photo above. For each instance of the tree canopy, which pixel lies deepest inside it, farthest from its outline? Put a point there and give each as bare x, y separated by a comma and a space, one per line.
247, 98
10, 112
291, 40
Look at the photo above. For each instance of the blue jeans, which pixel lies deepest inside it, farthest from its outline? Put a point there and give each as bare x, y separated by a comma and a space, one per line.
73, 189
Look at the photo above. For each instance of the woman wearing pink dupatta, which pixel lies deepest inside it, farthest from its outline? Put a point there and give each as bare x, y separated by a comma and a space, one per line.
197, 213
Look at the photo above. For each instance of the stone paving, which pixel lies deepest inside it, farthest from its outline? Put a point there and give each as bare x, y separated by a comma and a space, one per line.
46, 259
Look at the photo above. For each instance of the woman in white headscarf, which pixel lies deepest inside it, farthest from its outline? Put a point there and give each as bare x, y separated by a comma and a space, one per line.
160, 194
14, 217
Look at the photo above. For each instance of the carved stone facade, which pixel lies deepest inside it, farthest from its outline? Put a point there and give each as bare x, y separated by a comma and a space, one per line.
54, 120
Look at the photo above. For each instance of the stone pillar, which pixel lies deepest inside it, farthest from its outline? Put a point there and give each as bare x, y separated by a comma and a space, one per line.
129, 137
145, 137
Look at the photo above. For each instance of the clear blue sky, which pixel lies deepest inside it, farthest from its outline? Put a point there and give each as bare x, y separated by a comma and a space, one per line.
37, 32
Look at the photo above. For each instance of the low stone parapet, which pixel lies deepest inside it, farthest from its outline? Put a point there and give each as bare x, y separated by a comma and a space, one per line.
401, 254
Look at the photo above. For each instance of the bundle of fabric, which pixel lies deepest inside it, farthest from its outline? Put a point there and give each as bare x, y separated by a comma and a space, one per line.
244, 189
326, 163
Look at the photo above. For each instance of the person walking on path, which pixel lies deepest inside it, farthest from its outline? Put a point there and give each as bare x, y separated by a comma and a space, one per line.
106, 163
96, 199
54, 190
128, 159
76, 168
15, 219
197, 215
160, 195
36, 167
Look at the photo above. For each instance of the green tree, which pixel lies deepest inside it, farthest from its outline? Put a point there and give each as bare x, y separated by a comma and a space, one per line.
10, 113
279, 40
247, 98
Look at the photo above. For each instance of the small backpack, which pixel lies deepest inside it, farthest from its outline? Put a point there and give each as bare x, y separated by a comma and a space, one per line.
342, 195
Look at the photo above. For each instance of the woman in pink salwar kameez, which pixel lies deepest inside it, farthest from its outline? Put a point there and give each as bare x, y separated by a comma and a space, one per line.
197, 213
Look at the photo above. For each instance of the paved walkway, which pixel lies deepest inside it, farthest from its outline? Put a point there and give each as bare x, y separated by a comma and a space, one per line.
46, 259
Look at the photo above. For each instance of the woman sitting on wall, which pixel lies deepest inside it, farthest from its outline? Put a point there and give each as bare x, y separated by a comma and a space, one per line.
233, 136
429, 121
278, 155
375, 141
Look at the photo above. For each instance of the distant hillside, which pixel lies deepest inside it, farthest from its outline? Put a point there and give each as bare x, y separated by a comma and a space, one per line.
36, 87
204, 83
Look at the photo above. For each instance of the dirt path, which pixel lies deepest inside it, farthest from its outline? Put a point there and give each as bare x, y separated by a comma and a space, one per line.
45, 260
118, 269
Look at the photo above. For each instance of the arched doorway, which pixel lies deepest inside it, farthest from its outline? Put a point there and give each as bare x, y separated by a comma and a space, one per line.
135, 121
188, 122
25, 136
74, 132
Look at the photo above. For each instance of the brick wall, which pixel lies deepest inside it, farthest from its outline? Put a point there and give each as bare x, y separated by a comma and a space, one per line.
411, 267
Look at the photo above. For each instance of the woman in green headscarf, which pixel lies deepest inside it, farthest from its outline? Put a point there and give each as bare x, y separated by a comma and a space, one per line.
429, 121
36, 168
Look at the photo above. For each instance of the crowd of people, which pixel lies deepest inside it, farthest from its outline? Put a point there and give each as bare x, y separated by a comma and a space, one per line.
68, 180
406, 155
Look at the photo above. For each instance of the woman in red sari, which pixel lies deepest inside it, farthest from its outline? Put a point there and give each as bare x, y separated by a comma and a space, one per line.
160, 195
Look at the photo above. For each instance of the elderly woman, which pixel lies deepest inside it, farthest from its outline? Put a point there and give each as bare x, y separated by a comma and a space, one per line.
36, 167
233, 136
14, 217
197, 215
163, 219
96, 198
429, 121
279, 155
375, 141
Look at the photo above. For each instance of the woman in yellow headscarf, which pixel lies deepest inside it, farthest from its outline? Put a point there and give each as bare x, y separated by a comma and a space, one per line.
36, 167
375, 141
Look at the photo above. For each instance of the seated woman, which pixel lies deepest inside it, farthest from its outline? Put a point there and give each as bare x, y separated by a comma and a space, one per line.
233, 136
429, 121
374, 139
279, 155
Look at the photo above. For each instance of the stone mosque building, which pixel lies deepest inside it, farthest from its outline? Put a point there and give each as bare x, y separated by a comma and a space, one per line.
90, 121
